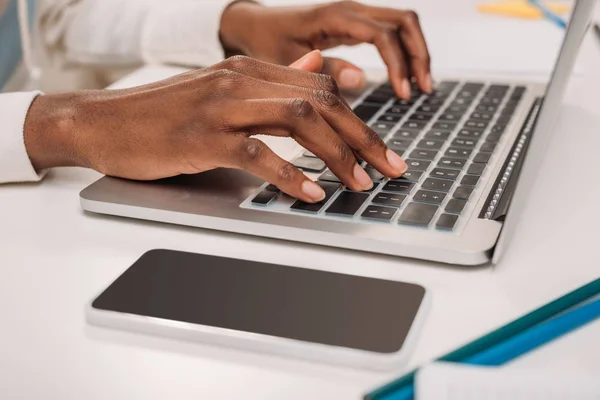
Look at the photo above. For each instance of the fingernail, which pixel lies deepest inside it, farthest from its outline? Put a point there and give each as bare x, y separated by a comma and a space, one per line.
362, 178
299, 63
406, 89
396, 162
428, 83
351, 78
313, 191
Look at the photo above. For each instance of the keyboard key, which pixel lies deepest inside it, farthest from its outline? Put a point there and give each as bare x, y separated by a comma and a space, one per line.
433, 101
490, 101
417, 165
450, 116
380, 213
420, 117
427, 196
466, 143
347, 203
374, 174
470, 133
389, 199
309, 164
455, 206
377, 98
441, 185
329, 187
486, 108
365, 112
272, 188
461, 101
414, 125
264, 197
476, 169
445, 126
469, 180
403, 134
444, 173
454, 163
382, 127
446, 221
458, 152
390, 118
423, 154
418, 214
476, 124
399, 143
435, 134
397, 110
402, 102
484, 116
462, 193
411, 176
428, 109
329, 177
488, 147
482, 158
399, 186
456, 109
429, 144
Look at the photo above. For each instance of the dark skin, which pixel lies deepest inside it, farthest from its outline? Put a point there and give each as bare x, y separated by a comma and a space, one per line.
183, 125
283, 34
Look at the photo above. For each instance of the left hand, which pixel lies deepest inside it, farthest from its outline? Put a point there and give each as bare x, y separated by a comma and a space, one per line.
283, 34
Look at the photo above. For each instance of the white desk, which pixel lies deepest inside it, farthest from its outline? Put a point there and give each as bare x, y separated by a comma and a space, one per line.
54, 259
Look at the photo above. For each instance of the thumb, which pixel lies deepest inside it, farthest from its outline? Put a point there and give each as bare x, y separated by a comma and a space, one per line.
348, 76
311, 62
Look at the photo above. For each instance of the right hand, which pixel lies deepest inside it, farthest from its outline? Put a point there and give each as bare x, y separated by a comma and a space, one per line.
206, 119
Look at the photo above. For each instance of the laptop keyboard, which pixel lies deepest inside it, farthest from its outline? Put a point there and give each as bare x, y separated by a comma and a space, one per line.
446, 138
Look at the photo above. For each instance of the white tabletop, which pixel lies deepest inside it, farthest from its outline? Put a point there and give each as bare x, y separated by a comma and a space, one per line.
54, 258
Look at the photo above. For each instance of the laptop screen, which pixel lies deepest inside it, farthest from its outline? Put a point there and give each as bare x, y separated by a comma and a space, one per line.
577, 27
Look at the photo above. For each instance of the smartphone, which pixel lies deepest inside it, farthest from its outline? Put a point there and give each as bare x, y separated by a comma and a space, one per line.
296, 312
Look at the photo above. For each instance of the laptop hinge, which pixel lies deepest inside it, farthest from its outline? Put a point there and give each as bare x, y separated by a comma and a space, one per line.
506, 182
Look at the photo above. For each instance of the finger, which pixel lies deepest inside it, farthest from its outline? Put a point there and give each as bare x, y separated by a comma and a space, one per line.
347, 75
310, 62
279, 74
340, 118
413, 39
254, 156
299, 118
384, 37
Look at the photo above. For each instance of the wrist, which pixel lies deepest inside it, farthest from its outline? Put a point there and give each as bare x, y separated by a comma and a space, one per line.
238, 24
51, 134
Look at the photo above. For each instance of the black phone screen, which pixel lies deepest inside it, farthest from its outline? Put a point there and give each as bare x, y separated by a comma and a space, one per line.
295, 303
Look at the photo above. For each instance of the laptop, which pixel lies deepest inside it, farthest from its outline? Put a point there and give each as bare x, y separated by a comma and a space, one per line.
474, 148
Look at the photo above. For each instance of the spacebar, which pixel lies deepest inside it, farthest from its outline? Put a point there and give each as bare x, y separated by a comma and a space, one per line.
347, 203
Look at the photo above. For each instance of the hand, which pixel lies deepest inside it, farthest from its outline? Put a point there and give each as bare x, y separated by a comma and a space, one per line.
280, 35
206, 119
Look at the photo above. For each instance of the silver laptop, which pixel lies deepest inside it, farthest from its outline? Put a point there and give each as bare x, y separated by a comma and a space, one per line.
474, 148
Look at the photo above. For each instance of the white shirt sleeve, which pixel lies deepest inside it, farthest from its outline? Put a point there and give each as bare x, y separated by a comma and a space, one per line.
124, 33
15, 165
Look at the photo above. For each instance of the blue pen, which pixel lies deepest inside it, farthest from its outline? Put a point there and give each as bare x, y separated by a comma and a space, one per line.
523, 343
549, 15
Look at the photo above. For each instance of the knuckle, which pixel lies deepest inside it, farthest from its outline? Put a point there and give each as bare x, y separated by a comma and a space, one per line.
327, 99
287, 173
251, 151
237, 62
343, 152
371, 139
301, 108
226, 79
411, 17
326, 83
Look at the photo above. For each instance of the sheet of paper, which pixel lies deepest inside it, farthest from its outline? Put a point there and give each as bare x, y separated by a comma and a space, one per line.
488, 45
446, 381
